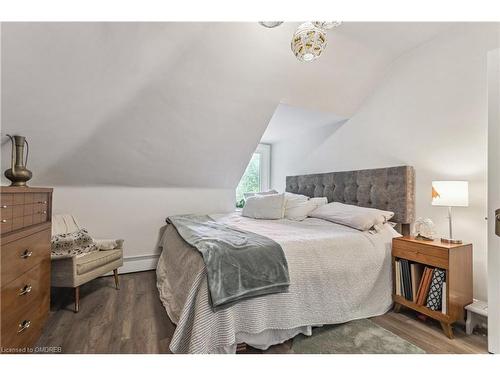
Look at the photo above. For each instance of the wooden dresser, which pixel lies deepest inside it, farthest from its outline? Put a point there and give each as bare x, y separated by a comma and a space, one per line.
24, 265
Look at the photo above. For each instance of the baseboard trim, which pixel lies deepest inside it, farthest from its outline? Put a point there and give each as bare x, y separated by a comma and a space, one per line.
138, 263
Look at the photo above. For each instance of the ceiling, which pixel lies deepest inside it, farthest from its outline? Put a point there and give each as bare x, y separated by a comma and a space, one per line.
174, 104
292, 122
394, 38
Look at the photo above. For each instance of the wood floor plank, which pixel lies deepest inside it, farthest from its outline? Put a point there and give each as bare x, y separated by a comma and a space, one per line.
133, 320
429, 336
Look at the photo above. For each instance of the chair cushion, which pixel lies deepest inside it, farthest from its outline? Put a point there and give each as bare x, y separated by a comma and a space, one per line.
91, 261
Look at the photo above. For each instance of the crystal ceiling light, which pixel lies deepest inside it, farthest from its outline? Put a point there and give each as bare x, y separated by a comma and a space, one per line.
308, 42
327, 25
270, 24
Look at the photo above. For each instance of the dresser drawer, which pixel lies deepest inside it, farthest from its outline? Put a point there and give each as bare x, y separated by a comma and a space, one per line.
6, 212
20, 296
28, 209
6, 199
17, 223
18, 199
41, 198
6, 226
21, 255
20, 210
22, 330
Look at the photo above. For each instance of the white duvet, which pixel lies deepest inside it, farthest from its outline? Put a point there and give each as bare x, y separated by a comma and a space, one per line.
337, 274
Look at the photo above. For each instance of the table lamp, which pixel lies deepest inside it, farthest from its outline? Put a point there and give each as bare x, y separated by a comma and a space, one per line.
450, 194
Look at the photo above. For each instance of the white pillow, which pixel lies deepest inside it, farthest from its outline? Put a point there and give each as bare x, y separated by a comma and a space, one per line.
360, 218
292, 199
297, 206
264, 206
319, 201
269, 192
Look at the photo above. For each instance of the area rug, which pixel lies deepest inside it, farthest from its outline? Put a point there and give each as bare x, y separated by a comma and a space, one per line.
357, 337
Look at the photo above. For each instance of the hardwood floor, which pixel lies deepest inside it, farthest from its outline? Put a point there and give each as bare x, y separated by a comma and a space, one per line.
133, 320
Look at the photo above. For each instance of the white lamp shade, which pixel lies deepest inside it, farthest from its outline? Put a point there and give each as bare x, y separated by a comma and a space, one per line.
450, 193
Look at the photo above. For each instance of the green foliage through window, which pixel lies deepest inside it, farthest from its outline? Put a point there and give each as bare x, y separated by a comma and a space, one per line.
250, 182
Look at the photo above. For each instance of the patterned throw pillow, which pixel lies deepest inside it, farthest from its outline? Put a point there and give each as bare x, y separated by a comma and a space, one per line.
68, 245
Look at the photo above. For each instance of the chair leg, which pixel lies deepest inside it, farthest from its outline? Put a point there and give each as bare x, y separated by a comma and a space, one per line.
77, 299
117, 282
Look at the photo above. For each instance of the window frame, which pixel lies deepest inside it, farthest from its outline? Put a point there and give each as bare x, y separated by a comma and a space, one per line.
264, 151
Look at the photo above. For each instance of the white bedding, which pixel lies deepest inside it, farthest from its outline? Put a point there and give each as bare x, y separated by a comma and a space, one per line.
337, 274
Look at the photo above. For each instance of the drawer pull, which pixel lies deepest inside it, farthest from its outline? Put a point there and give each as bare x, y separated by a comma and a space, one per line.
42, 202
24, 325
4, 220
25, 290
4, 206
26, 254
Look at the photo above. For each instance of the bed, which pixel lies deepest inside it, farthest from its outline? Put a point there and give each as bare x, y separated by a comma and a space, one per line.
337, 274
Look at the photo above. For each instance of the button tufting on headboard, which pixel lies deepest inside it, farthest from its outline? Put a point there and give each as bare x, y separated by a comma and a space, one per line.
389, 189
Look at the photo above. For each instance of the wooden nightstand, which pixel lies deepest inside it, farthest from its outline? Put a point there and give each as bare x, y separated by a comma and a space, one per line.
455, 260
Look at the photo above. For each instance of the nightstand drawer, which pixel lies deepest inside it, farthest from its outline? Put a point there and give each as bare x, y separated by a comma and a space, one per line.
426, 250
420, 257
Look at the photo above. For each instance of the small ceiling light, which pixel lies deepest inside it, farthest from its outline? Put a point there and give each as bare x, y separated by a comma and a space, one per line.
308, 42
270, 24
327, 25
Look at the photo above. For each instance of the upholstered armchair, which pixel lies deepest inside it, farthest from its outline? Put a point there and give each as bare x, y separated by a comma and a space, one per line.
77, 270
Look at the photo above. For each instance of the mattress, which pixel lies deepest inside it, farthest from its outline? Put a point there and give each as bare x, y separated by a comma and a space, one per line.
337, 274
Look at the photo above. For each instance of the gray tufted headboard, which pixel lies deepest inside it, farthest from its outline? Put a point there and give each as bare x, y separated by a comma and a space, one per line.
391, 189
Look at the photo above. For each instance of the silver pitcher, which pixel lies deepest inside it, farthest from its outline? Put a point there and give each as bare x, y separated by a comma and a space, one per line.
18, 173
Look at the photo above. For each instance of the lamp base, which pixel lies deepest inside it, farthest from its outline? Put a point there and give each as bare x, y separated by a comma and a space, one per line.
451, 241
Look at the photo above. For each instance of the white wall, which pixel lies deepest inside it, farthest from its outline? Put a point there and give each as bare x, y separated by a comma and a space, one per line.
136, 214
430, 112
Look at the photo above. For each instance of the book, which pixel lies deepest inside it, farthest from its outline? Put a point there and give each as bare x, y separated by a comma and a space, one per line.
416, 270
420, 285
425, 286
410, 290
408, 281
403, 277
401, 288
397, 278
408, 294
443, 299
434, 298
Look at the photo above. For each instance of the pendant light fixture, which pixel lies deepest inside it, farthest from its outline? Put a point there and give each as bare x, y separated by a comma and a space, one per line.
327, 25
308, 42
270, 24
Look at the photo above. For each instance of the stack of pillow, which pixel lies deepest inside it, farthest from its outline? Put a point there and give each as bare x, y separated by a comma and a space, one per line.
272, 205
361, 218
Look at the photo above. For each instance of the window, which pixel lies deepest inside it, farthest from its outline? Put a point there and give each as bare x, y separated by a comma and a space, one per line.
256, 176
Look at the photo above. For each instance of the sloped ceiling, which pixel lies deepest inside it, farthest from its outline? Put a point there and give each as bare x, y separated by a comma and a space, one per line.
292, 122
173, 104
